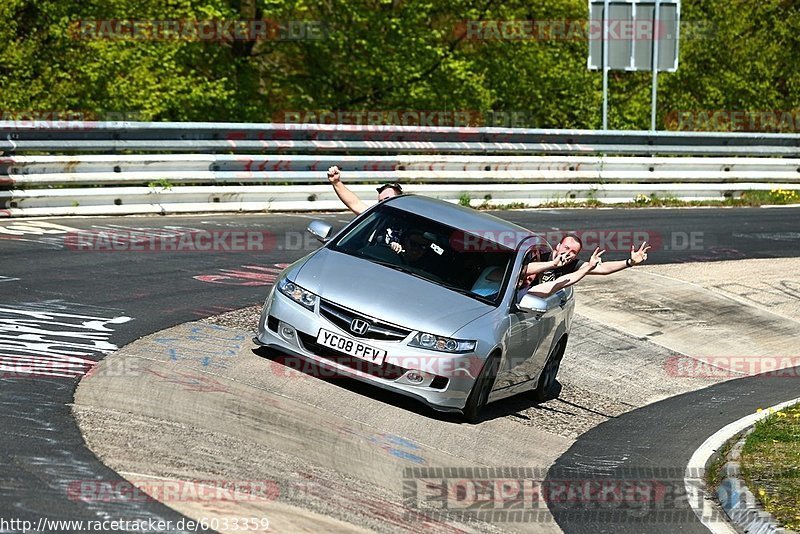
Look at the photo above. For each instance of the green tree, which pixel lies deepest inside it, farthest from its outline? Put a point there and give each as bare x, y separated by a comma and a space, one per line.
386, 55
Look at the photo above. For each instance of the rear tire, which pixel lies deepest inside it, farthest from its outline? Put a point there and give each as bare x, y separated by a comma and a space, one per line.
479, 394
547, 379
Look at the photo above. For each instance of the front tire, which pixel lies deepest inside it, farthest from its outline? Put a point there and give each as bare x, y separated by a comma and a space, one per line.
479, 394
547, 378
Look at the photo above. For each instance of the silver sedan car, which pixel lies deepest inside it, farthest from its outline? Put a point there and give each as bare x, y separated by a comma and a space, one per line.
424, 298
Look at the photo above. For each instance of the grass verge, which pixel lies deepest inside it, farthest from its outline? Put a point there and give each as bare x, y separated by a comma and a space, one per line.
775, 197
714, 470
770, 465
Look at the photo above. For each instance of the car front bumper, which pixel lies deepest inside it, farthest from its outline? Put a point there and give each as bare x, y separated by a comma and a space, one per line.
443, 381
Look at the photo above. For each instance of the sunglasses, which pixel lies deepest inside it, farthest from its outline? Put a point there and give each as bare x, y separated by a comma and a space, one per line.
394, 186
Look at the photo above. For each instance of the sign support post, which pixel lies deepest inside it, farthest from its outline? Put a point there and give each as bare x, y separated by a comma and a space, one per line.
636, 35
656, 38
606, 5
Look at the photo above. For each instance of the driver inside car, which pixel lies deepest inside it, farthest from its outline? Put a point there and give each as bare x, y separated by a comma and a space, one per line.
412, 247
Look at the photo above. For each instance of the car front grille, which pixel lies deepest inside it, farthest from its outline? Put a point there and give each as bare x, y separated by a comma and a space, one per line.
342, 317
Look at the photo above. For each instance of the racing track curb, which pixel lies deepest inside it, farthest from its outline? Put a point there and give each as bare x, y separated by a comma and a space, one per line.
739, 504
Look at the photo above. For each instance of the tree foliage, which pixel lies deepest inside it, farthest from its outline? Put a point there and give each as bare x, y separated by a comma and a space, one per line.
393, 55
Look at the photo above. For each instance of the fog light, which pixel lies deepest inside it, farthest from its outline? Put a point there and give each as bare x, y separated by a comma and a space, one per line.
415, 378
287, 332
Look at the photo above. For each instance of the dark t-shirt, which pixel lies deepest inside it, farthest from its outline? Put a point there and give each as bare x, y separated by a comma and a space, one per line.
549, 276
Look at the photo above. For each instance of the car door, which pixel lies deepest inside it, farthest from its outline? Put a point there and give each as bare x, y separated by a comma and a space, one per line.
525, 333
527, 328
549, 326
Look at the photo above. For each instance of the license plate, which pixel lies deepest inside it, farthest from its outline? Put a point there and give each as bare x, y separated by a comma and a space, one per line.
351, 347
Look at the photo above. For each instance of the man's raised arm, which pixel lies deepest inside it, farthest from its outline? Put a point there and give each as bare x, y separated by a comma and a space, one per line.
548, 288
637, 257
347, 197
538, 267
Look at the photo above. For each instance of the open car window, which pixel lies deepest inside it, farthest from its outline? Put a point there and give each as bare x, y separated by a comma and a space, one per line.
428, 249
538, 250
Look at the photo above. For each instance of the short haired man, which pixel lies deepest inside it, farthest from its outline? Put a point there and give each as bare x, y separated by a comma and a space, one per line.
566, 262
545, 289
350, 199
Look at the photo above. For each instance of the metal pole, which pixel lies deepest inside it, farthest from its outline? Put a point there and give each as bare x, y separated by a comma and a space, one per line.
605, 63
656, 39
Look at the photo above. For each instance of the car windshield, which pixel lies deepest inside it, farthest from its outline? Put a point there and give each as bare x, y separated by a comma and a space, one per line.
447, 256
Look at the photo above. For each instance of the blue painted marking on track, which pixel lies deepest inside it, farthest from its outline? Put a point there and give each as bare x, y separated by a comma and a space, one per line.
397, 440
216, 348
406, 455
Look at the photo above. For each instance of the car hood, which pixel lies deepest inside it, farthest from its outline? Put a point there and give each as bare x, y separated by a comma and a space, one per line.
387, 294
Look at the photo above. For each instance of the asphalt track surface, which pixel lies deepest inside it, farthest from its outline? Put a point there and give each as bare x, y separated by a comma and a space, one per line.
43, 452
648, 449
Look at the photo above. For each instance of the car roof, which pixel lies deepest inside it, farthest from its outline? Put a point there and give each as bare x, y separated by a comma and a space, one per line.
468, 219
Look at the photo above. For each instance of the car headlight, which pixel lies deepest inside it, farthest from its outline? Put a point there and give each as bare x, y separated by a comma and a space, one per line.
442, 344
298, 294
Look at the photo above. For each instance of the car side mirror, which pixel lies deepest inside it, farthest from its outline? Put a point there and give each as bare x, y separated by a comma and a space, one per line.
533, 304
320, 229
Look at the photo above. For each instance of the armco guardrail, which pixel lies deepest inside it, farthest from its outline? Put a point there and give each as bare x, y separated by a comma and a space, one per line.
501, 165
29, 171
26, 136
195, 199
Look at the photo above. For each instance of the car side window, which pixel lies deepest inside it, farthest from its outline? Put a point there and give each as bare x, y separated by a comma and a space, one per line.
361, 235
536, 253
